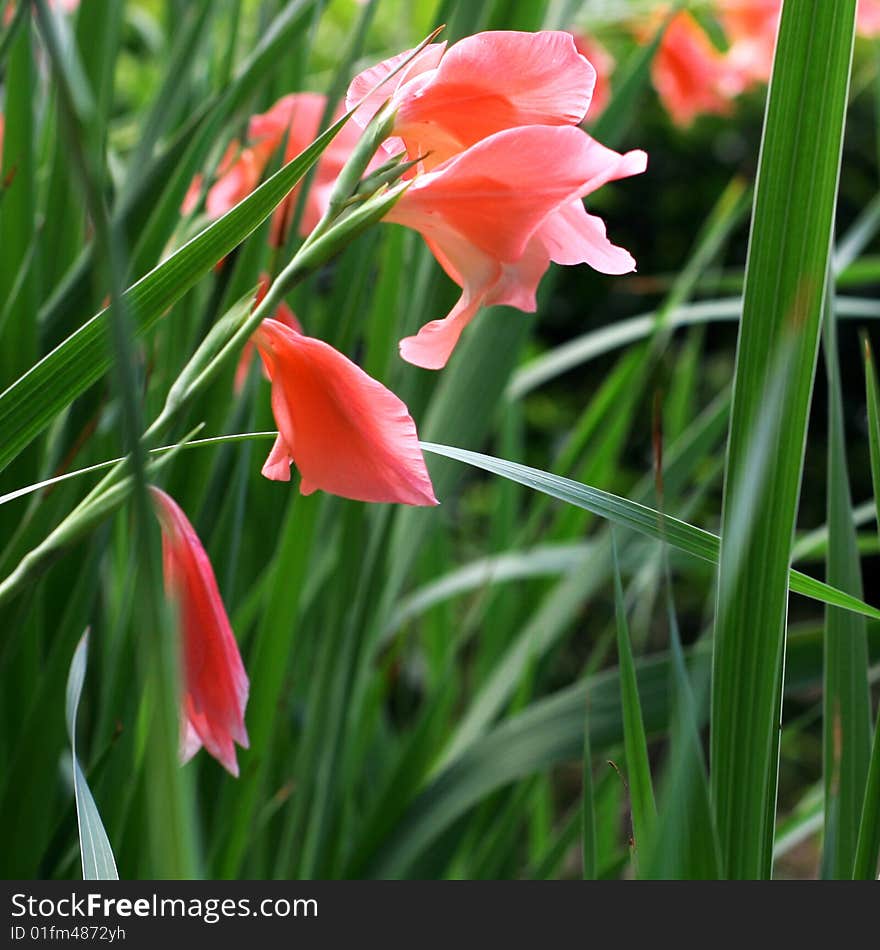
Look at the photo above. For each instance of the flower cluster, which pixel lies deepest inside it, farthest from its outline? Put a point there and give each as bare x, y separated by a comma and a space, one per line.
485, 139
483, 116
692, 76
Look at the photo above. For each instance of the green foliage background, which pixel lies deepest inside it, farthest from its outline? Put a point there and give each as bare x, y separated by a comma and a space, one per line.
515, 684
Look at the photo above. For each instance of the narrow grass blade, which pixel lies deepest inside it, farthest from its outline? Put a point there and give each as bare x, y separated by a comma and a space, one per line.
274, 642
589, 844
786, 274
98, 863
686, 846
638, 766
868, 845
568, 356
648, 521
547, 732
846, 697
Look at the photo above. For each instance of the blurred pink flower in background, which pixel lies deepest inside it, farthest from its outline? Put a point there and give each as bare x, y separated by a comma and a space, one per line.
690, 75
750, 27
345, 432
65, 6
215, 685
868, 18
193, 194
283, 314
298, 117
603, 62
495, 216
449, 100
238, 174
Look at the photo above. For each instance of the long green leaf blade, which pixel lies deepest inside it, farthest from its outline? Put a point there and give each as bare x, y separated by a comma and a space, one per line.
786, 274
649, 521
868, 846
635, 744
847, 701
98, 863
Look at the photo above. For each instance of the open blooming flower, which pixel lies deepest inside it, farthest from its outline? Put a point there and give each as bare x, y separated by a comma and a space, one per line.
448, 100
690, 75
498, 213
283, 314
345, 432
603, 62
215, 685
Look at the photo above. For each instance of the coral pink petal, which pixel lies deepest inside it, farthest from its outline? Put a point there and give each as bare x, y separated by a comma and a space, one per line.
499, 80
432, 346
277, 465
494, 224
516, 177
370, 89
282, 313
190, 742
571, 236
600, 165
345, 432
215, 683
603, 62
476, 273
750, 26
517, 286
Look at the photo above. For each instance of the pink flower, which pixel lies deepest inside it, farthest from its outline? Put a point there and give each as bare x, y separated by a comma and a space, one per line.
238, 174
603, 62
215, 685
193, 194
344, 431
66, 6
750, 26
447, 101
690, 75
868, 19
295, 118
298, 117
283, 314
497, 214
